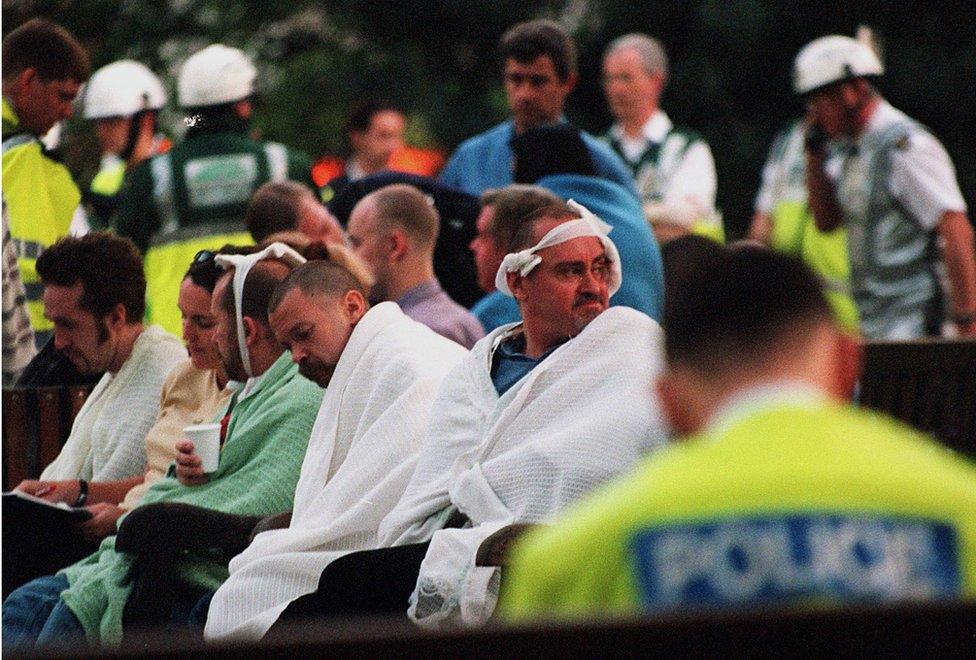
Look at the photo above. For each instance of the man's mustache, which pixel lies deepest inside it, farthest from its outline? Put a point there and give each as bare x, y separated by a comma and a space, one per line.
584, 298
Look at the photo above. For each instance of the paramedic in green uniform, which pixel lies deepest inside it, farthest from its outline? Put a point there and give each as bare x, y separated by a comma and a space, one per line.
673, 167
194, 197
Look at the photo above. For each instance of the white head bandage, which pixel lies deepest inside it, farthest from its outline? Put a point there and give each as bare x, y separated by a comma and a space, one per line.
242, 263
587, 225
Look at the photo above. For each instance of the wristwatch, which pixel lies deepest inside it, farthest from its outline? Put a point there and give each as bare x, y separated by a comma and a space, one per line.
82, 493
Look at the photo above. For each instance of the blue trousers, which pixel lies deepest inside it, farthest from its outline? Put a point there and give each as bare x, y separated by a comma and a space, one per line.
35, 615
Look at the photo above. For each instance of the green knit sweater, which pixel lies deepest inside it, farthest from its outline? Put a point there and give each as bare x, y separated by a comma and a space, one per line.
259, 468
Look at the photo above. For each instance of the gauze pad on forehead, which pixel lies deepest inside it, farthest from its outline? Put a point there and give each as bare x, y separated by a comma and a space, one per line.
587, 224
242, 263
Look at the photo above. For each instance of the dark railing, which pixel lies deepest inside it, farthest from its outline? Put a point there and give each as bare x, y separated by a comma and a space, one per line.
929, 384
36, 422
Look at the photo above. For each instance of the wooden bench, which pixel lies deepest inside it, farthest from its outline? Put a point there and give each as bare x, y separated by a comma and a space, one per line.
929, 384
36, 423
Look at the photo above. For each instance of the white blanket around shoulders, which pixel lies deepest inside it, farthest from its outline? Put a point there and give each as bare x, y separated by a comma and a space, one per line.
360, 457
582, 416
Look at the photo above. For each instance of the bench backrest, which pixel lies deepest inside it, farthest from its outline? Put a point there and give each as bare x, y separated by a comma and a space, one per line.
929, 384
36, 423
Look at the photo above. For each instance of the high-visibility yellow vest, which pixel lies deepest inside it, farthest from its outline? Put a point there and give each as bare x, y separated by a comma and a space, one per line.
41, 199
169, 256
710, 228
788, 505
109, 180
795, 232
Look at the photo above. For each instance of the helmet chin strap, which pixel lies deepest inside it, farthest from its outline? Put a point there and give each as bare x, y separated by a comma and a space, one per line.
242, 265
133, 137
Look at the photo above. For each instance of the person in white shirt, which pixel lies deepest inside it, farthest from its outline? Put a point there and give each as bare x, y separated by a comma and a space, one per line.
885, 177
673, 167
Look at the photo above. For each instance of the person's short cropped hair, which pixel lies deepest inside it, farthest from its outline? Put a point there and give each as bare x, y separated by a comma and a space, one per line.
47, 47
739, 309
550, 149
275, 207
402, 205
109, 268
259, 285
512, 204
527, 41
653, 57
683, 257
525, 232
319, 277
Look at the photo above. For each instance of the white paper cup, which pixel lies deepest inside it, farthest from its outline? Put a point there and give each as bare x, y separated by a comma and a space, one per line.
206, 444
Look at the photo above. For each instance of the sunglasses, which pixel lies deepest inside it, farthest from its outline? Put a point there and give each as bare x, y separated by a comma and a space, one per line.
203, 256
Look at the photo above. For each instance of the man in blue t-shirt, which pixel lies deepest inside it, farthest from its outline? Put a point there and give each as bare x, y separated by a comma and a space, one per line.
539, 67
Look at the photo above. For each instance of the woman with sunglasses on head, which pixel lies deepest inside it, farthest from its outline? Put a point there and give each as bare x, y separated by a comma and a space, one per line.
193, 393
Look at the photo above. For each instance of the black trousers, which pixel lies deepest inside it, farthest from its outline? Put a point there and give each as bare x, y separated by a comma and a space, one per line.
366, 583
35, 546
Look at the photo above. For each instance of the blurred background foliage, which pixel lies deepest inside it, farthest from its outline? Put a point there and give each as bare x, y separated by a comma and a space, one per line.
730, 76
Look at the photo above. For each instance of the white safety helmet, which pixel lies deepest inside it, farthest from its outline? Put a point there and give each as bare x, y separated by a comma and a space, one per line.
215, 75
831, 59
121, 89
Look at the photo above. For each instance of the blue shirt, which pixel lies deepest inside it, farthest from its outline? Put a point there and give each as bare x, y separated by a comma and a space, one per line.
510, 364
485, 161
495, 310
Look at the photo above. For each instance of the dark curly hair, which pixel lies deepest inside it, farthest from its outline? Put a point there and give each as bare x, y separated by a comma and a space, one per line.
109, 268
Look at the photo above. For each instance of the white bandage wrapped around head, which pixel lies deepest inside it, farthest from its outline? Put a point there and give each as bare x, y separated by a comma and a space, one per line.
242, 263
587, 224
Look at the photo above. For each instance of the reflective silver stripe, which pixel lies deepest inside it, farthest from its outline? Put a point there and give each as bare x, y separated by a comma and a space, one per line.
277, 161
835, 286
162, 174
28, 249
197, 231
16, 141
34, 290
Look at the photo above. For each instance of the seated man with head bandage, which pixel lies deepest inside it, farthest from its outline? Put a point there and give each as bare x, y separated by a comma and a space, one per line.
538, 414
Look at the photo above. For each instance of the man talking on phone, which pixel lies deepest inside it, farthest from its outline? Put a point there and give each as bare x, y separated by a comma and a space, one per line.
890, 181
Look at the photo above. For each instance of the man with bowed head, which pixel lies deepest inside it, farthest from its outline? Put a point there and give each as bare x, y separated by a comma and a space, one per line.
381, 371
518, 430
265, 432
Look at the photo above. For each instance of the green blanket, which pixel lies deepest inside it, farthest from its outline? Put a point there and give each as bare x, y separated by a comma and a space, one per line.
259, 468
